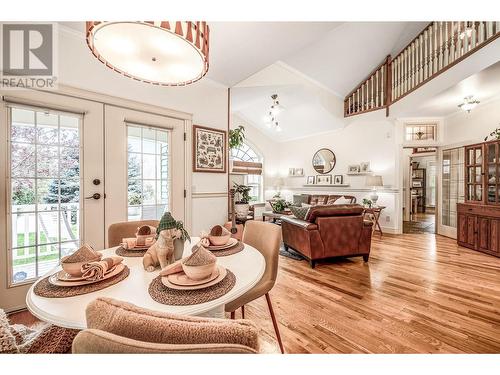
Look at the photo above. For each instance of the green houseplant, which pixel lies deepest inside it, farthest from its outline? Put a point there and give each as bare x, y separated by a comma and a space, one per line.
236, 137
279, 205
242, 206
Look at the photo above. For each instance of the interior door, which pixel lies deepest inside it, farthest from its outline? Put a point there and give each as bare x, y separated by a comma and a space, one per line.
145, 165
451, 168
53, 158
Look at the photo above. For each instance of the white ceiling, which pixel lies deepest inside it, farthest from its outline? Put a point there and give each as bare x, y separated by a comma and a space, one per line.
484, 86
342, 58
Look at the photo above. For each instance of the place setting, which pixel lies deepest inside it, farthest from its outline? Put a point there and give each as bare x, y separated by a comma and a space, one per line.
84, 271
195, 279
220, 242
145, 237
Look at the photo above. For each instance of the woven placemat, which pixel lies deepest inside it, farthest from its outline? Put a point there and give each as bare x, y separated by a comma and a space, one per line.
45, 289
130, 253
229, 251
168, 296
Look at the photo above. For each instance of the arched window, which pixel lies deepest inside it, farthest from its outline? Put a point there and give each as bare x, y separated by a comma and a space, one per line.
247, 154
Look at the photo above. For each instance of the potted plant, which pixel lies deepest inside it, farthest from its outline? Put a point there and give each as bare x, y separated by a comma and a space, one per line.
236, 139
242, 206
279, 205
495, 134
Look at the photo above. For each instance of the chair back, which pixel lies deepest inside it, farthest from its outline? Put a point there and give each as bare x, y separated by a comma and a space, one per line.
126, 229
266, 238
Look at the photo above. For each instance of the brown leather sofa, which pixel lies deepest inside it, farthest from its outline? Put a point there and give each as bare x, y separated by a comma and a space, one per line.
329, 231
320, 199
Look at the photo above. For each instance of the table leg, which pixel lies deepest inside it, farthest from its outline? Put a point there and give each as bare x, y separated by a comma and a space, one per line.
377, 224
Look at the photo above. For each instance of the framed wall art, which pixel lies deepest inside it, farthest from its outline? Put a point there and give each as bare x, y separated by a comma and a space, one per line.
324, 179
209, 150
338, 179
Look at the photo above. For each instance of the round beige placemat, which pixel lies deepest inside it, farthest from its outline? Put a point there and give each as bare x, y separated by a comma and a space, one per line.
129, 253
168, 296
229, 251
45, 289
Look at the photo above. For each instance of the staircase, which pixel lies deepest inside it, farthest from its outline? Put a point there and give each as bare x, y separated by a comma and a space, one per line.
437, 48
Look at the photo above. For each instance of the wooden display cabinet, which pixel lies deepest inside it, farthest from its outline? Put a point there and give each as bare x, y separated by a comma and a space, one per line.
478, 224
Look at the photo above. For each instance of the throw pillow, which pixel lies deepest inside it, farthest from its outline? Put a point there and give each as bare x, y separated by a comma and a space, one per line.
342, 200
299, 212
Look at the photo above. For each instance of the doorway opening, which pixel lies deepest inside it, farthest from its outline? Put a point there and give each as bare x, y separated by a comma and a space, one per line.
419, 181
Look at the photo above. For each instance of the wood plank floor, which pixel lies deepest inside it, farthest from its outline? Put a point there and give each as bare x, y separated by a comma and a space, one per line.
419, 293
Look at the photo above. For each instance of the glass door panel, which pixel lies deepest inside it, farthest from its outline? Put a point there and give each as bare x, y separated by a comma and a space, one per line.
452, 189
45, 185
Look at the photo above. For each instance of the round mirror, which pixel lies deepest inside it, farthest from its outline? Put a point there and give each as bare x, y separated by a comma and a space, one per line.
324, 161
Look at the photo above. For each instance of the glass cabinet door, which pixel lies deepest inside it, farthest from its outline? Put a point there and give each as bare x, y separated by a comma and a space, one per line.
474, 173
492, 170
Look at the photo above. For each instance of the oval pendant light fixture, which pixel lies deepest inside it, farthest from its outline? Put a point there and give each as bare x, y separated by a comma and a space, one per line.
157, 52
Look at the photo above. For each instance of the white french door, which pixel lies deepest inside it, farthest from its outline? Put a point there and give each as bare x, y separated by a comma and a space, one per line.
72, 166
145, 165
51, 160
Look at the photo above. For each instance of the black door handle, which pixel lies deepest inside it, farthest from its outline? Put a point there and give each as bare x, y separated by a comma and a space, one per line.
95, 196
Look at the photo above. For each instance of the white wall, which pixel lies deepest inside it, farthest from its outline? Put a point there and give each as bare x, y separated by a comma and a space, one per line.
265, 146
473, 127
205, 100
359, 141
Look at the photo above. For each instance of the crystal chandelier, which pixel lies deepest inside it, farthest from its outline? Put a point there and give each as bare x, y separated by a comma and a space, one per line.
167, 53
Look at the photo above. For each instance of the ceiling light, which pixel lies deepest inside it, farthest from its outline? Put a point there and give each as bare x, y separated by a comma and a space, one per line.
277, 127
276, 107
167, 53
468, 104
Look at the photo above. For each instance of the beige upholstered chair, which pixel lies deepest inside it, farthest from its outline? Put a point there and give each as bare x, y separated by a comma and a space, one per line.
126, 229
120, 327
266, 238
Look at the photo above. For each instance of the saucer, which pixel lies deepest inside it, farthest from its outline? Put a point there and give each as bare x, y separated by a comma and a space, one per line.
54, 281
231, 243
222, 272
181, 279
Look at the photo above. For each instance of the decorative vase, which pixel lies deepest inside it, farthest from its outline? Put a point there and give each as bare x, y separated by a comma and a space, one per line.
241, 210
178, 248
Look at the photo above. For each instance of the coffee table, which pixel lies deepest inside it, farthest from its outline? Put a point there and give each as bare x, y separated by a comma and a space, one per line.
275, 217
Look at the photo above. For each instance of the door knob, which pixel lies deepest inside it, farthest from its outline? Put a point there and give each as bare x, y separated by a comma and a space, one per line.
94, 196
96, 181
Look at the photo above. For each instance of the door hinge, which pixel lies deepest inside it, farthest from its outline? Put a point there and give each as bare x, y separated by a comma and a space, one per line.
185, 136
185, 193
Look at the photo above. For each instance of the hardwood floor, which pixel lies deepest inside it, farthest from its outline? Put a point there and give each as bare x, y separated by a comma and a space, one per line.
417, 294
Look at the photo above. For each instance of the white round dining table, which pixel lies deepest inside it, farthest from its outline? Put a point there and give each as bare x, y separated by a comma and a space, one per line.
248, 266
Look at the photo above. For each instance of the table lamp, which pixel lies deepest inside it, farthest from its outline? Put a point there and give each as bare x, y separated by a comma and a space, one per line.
374, 182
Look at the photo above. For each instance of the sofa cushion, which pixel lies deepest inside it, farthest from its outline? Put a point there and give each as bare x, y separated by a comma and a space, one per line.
127, 320
298, 199
336, 199
334, 210
300, 212
315, 200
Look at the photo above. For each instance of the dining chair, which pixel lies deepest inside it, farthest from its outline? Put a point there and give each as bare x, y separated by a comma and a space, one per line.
120, 327
126, 229
266, 238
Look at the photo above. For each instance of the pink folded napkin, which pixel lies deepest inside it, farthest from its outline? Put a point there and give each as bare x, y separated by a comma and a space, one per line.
131, 243
96, 270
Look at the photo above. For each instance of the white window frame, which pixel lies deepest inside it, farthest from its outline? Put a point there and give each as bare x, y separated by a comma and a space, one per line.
9, 178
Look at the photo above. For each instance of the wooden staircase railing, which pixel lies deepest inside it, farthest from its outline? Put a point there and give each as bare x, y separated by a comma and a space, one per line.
437, 48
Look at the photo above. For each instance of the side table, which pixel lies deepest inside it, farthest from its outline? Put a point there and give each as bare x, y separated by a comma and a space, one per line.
275, 216
375, 215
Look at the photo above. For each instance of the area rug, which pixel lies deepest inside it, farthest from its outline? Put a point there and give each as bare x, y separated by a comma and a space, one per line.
290, 253
38, 338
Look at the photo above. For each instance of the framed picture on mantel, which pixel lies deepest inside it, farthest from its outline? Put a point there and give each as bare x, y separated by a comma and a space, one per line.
209, 150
